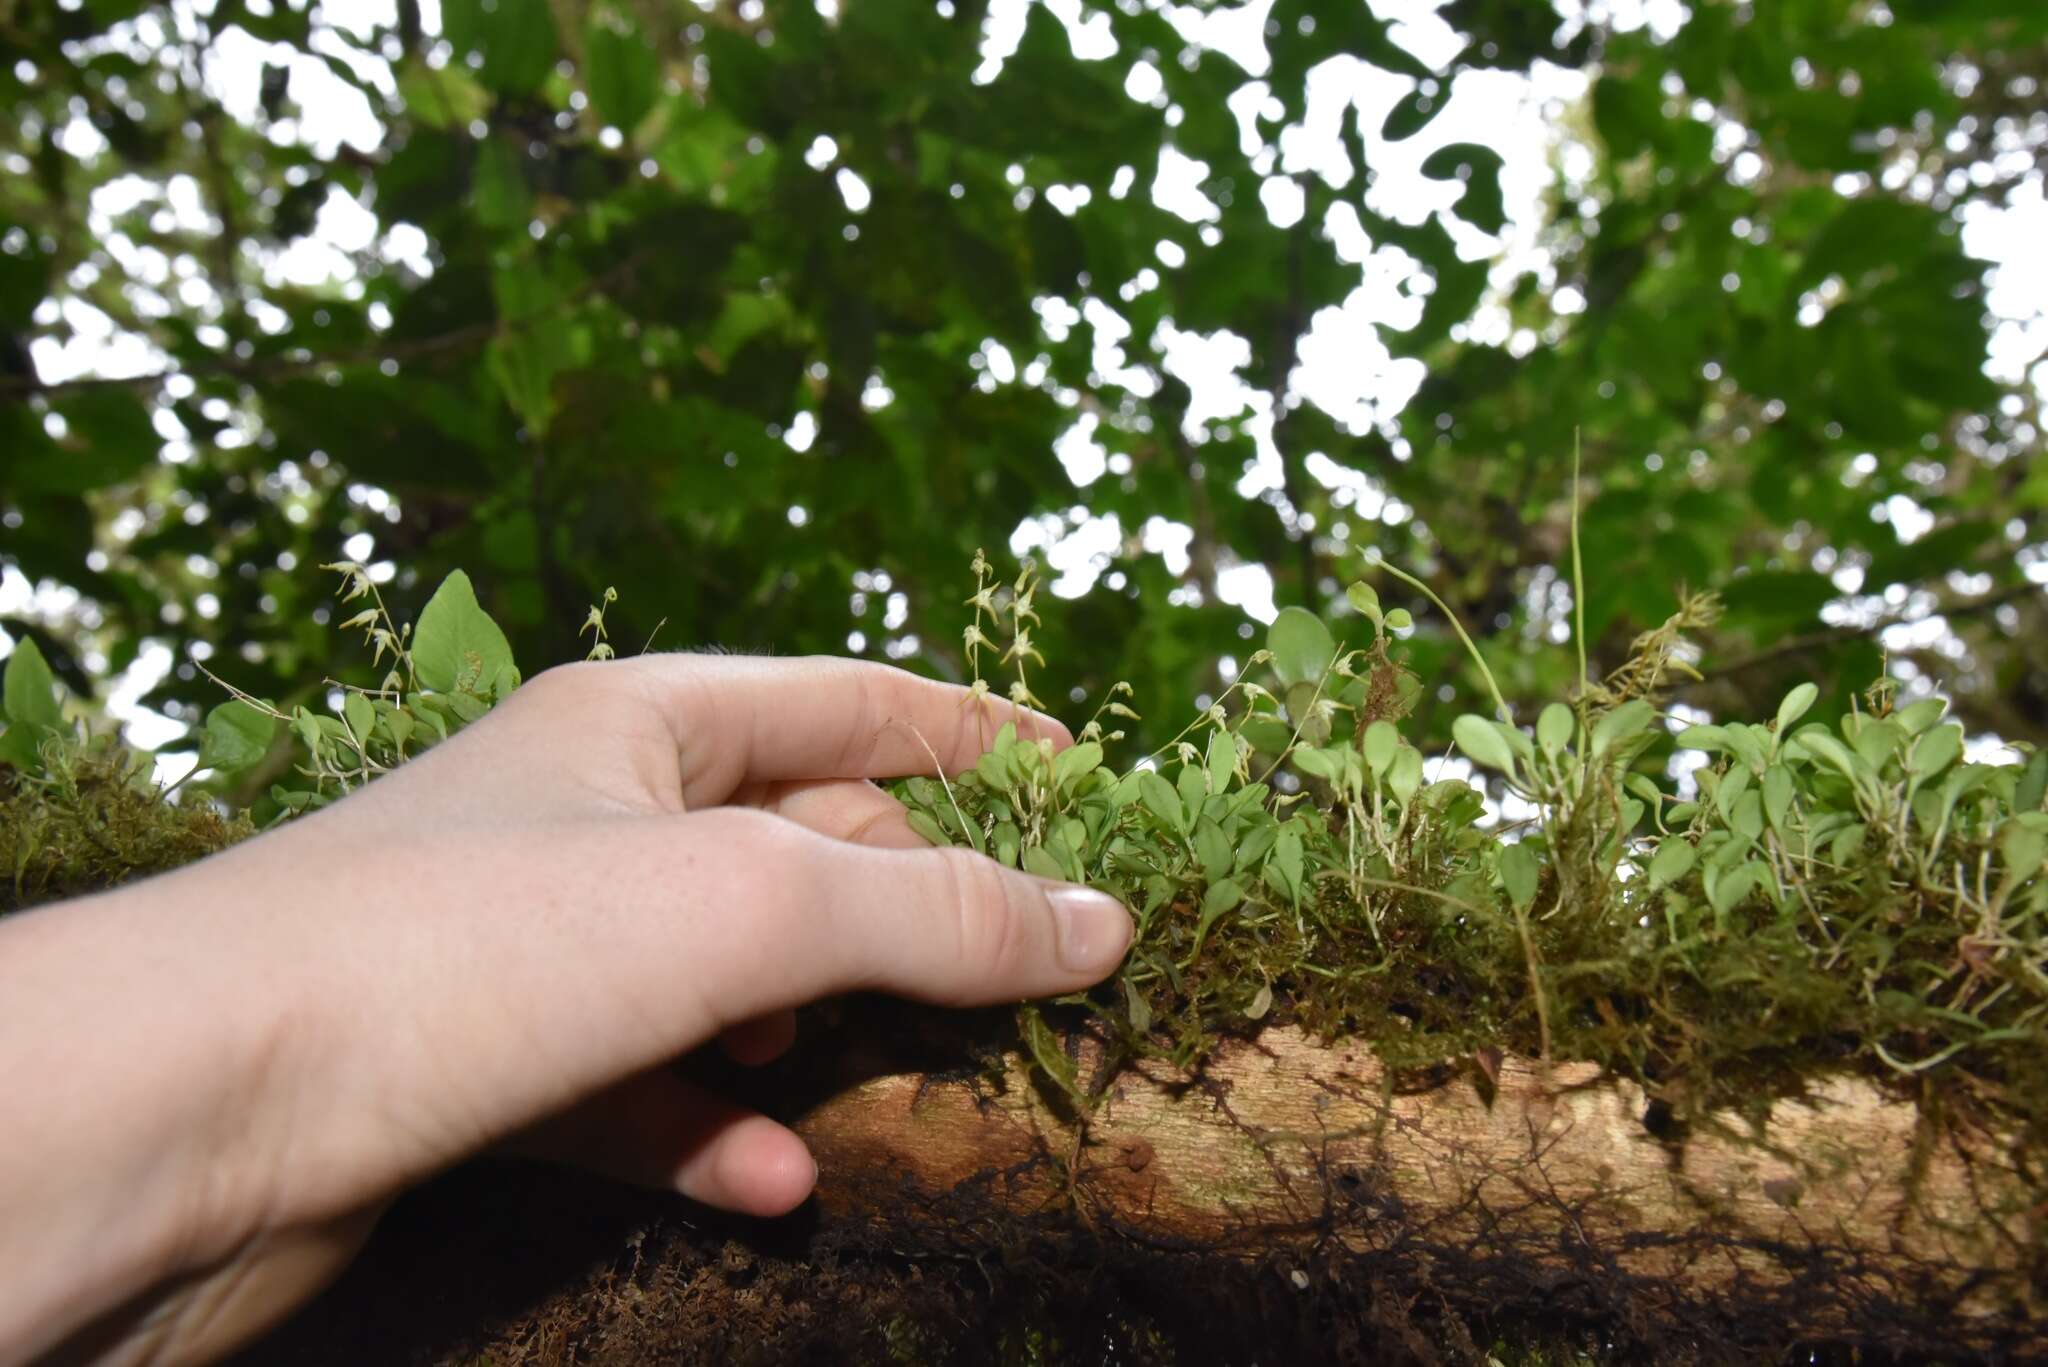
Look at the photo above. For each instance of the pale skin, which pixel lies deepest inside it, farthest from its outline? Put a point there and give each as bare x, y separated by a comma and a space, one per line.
217, 1079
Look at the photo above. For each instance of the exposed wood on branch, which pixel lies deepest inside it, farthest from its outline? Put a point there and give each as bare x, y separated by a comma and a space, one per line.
1841, 1215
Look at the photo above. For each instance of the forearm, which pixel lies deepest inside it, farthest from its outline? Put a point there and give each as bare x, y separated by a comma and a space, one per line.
129, 1057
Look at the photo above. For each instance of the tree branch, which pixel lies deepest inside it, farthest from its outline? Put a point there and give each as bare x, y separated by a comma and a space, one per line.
1820, 640
281, 367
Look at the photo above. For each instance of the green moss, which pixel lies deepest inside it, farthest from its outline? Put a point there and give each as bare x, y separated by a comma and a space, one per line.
91, 819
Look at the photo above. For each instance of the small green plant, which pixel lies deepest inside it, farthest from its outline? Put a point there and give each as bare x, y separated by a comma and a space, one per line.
449, 671
31, 708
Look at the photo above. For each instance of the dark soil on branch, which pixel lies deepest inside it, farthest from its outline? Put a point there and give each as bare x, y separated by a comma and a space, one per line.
517, 1264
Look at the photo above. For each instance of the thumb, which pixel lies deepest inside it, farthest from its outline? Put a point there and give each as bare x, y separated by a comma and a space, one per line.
959, 929
946, 926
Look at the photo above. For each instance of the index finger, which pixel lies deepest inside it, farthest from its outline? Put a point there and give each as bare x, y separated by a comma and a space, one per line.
746, 719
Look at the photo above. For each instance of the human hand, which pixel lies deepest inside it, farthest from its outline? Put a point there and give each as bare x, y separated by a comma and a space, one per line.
509, 938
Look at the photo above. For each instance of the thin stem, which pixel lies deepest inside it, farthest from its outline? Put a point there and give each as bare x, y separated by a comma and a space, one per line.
1578, 571
1492, 687
1535, 982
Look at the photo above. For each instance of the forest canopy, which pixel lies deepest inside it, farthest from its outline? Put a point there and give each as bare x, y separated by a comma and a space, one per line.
772, 313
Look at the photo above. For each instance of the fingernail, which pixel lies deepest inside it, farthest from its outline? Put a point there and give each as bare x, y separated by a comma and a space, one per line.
1092, 929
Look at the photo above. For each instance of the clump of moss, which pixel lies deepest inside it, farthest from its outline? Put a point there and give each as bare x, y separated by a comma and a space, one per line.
89, 818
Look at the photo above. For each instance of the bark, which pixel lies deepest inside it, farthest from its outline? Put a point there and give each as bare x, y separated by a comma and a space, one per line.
1842, 1216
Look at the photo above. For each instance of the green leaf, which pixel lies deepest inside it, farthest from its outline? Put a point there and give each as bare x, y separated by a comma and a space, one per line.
996, 773
29, 690
526, 362
1220, 900
1268, 735
622, 71
1748, 816
2023, 849
1482, 743
1193, 786
1916, 717
427, 710
1777, 790
1829, 751
1051, 1059
1554, 729
516, 38
1729, 791
1302, 646
1261, 1003
1075, 763
457, 648
21, 746
1139, 1010
1381, 740
290, 800
1365, 599
1327, 765
1878, 741
1213, 850
2033, 784
1750, 744
1158, 797
236, 736
1404, 775
1519, 874
1673, 860
1624, 723
361, 717
1479, 168
502, 200
1712, 739
1399, 620
1285, 863
743, 317
1795, 706
441, 97
1410, 115
1255, 844
928, 827
1303, 710
1222, 761
1935, 750
1038, 860
1728, 890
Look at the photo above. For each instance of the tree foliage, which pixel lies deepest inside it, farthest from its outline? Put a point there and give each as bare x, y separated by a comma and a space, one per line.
771, 313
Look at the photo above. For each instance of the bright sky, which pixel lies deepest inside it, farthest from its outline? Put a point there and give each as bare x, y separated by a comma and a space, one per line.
1345, 365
